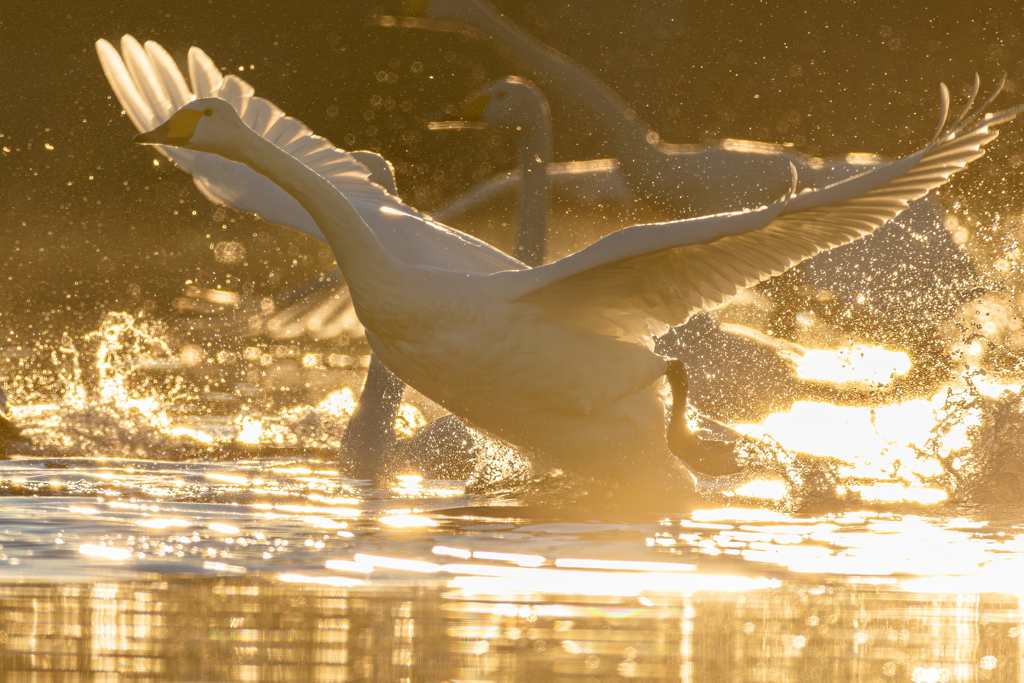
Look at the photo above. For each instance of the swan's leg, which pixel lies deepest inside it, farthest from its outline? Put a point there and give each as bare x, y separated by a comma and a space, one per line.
679, 434
370, 437
703, 455
8, 430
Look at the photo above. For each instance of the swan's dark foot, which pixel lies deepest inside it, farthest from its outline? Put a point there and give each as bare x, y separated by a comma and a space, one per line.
707, 456
9, 432
444, 449
369, 439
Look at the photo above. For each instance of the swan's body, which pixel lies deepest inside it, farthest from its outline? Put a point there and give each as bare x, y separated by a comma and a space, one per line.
557, 360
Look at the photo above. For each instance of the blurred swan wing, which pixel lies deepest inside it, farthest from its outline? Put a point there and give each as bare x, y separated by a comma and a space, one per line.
582, 183
640, 280
151, 88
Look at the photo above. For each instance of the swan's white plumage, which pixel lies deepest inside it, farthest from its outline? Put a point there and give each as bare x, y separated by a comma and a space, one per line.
149, 86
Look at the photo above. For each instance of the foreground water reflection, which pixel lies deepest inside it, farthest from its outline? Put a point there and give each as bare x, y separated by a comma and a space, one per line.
278, 570
250, 630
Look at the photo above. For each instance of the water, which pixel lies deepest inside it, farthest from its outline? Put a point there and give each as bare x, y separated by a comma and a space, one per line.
180, 515
253, 570
143, 535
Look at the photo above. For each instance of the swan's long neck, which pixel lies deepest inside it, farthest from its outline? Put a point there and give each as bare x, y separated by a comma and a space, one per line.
366, 264
626, 134
534, 156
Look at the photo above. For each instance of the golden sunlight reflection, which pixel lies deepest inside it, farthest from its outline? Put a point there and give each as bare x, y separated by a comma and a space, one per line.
765, 489
897, 493
628, 585
515, 558
407, 521
227, 478
154, 523
349, 566
223, 567
624, 565
106, 552
859, 365
854, 366
871, 440
381, 562
572, 576
322, 580
196, 434
408, 485
323, 522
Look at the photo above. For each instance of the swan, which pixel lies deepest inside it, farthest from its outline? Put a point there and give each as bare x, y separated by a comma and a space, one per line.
150, 87
685, 179
558, 360
517, 106
924, 278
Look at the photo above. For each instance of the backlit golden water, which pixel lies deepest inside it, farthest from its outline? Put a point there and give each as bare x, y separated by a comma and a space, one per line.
181, 515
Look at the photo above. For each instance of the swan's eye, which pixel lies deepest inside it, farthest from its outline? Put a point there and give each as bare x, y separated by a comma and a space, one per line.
207, 112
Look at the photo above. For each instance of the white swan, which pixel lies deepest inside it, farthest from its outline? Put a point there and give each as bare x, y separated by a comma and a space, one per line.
927, 276
687, 178
517, 106
150, 87
556, 359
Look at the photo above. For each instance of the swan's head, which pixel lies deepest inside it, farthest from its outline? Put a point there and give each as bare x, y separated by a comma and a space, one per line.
209, 124
512, 102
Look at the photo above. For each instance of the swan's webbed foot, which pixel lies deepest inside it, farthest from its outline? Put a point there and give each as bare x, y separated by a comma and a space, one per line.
707, 456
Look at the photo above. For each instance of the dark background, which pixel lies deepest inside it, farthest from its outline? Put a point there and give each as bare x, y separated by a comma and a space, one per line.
92, 225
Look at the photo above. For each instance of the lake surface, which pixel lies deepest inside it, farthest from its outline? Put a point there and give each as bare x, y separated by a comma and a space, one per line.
270, 570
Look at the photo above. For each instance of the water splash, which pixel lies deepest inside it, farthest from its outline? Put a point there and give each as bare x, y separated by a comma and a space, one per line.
123, 391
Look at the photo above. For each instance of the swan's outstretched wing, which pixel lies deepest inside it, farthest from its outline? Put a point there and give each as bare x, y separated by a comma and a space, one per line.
151, 88
661, 274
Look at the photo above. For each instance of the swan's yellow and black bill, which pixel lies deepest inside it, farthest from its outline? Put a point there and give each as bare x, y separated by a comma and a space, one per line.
177, 130
475, 108
468, 116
